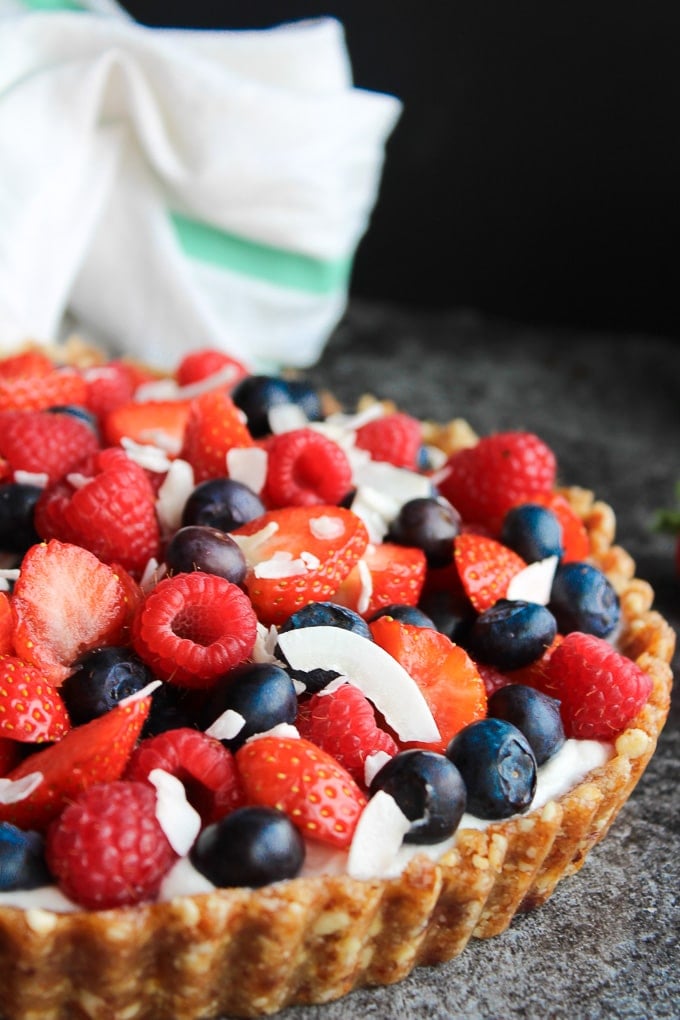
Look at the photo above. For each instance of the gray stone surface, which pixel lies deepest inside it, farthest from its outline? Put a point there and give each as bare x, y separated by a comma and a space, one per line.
606, 945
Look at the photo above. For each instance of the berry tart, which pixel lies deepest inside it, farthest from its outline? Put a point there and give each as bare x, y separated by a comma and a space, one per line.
292, 700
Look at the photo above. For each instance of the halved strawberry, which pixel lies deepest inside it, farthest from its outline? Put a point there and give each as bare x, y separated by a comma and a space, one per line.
485, 568
153, 422
215, 425
446, 675
309, 785
65, 602
96, 752
387, 574
297, 555
31, 709
10, 754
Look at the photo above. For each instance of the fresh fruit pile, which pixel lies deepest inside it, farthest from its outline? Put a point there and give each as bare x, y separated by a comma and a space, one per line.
232, 624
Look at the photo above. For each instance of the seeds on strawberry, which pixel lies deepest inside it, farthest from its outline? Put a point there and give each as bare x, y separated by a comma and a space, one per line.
158, 423
31, 709
485, 568
305, 468
214, 426
387, 574
193, 628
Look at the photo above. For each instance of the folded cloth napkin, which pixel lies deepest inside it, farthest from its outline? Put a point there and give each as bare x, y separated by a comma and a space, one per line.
167, 189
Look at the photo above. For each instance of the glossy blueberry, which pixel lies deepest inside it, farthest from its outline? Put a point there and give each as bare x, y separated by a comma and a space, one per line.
406, 614
532, 531
429, 790
448, 615
199, 547
17, 506
534, 713
583, 599
256, 395
101, 679
430, 524
22, 864
497, 765
262, 692
222, 503
321, 614
251, 846
511, 634
172, 708
306, 398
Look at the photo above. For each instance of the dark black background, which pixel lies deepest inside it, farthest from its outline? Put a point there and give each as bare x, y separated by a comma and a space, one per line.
534, 172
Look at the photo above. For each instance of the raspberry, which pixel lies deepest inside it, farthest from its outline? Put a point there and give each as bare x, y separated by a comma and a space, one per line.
108, 386
396, 438
305, 468
600, 690
484, 481
343, 724
34, 390
107, 848
202, 763
45, 443
193, 628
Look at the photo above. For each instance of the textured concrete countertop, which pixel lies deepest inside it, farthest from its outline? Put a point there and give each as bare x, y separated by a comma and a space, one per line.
606, 945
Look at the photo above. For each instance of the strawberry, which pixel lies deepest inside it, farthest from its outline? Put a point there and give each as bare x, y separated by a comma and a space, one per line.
152, 422
96, 752
29, 389
395, 438
108, 386
196, 366
108, 506
387, 574
446, 675
485, 568
214, 426
10, 754
308, 553
25, 364
501, 470
575, 540
305, 468
31, 709
193, 628
600, 691
65, 602
309, 785
41, 442
6, 623
343, 723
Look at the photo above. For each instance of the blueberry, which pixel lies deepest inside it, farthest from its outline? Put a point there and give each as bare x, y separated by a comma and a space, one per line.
534, 713
532, 531
306, 398
100, 680
511, 634
172, 708
497, 765
17, 506
321, 614
430, 524
22, 862
262, 692
222, 503
406, 614
583, 599
429, 790
199, 547
256, 395
251, 846
447, 613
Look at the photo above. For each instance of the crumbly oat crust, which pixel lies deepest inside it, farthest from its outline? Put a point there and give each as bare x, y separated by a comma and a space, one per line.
249, 953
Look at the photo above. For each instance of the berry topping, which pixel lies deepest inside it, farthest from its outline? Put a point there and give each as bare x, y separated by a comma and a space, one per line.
429, 524
498, 768
575, 541
207, 362
430, 791
251, 847
406, 614
107, 849
485, 568
158, 423
193, 628
198, 547
395, 438
222, 503
22, 860
533, 531
31, 709
17, 511
305, 468
309, 785
600, 691
256, 396
43, 443
510, 635
258, 696
101, 679
27, 386
536, 714
386, 574
214, 427
583, 598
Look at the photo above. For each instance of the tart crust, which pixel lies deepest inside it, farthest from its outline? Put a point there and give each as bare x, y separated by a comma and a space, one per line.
249, 953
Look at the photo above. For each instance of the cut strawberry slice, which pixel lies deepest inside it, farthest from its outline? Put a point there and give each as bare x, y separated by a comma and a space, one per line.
446, 675
66, 602
387, 574
485, 568
155, 423
31, 709
96, 752
298, 555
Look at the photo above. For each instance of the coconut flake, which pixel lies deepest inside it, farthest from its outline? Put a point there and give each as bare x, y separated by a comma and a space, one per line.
14, 790
534, 582
283, 564
248, 465
227, 725
372, 765
152, 574
37, 478
326, 526
377, 837
139, 695
178, 819
7, 577
78, 480
286, 417
366, 590
265, 645
379, 676
282, 730
250, 544
183, 879
148, 455
175, 490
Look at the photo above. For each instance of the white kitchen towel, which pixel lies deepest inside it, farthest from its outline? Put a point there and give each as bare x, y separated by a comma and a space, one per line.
167, 189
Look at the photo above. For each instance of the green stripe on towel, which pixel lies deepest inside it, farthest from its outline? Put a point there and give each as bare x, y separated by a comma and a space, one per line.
53, 5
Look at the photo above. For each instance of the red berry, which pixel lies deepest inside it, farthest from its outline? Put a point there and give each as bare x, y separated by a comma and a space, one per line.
485, 568
203, 764
108, 849
305, 468
387, 575
214, 426
44, 443
193, 628
31, 388
153, 422
206, 362
343, 723
396, 438
501, 470
599, 689
108, 386
575, 540
31, 709
6, 623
